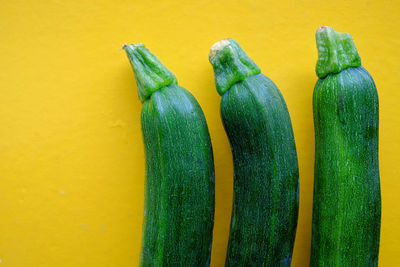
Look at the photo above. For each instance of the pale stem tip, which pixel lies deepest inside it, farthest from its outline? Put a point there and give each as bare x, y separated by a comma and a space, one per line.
218, 46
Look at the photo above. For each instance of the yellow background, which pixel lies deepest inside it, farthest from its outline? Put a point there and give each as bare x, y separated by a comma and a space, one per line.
71, 152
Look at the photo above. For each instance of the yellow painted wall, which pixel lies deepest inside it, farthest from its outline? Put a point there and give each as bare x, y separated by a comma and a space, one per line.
71, 152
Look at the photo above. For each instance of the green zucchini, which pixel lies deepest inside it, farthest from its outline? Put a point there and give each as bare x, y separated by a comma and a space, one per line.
266, 175
179, 186
347, 201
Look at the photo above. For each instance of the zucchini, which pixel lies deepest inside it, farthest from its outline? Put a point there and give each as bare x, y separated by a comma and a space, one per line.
347, 201
266, 186
179, 185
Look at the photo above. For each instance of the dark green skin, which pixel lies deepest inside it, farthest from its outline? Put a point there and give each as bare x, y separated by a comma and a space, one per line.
266, 186
179, 202
347, 201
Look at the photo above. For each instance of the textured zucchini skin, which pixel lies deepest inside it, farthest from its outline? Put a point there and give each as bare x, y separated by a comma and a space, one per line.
257, 122
347, 201
179, 197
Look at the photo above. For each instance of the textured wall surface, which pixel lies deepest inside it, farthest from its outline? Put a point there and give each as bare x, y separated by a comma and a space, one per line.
71, 152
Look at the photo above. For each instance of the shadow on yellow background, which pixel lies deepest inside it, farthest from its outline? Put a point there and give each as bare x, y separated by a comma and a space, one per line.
71, 152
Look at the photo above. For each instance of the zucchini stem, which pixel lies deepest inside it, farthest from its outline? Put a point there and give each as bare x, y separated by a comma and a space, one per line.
231, 64
151, 75
336, 52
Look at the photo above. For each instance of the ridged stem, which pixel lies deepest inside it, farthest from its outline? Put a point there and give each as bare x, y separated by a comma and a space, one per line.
336, 52
231, 64
151, 75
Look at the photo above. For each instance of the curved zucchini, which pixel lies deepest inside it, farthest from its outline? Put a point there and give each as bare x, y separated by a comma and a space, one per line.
347, 202
179, 197
266, 187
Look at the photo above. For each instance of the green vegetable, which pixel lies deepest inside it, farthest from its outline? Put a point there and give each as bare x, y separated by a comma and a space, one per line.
179, 197
347, 202
257, 122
